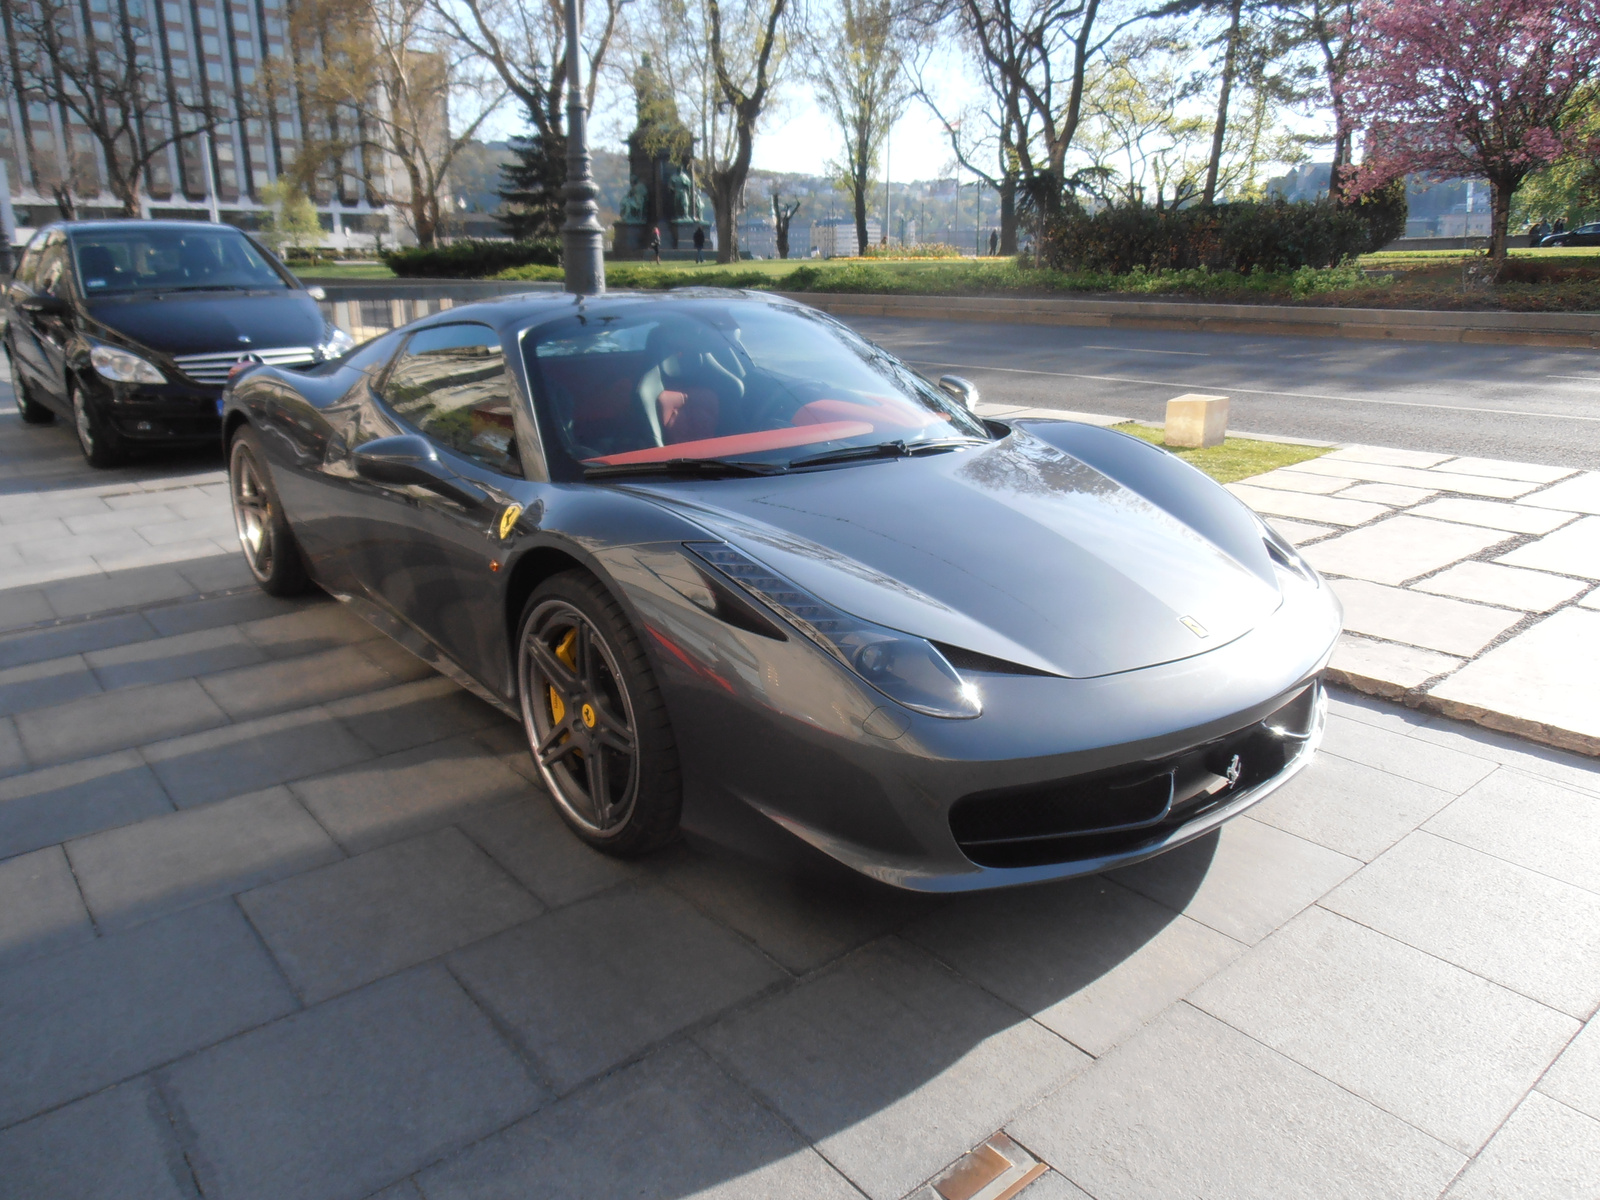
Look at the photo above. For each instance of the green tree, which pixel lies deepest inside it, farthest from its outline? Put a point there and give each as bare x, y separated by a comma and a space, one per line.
290, 219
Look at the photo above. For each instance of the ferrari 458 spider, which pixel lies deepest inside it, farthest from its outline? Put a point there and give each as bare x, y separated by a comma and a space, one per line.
713, 549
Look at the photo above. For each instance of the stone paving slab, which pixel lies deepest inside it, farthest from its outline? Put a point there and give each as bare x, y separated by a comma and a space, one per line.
1507, 587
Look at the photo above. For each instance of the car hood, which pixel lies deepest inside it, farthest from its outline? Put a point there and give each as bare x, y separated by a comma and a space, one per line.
211, 322
1016, 550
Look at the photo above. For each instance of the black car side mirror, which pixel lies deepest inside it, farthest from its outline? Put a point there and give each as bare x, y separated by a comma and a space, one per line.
409, 459
43, 303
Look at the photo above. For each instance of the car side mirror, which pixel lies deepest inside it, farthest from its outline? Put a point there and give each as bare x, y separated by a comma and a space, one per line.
410, 459
43, 303
962, 390
316, 293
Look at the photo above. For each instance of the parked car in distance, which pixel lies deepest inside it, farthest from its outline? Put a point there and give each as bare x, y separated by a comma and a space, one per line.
1583, 235
130, 328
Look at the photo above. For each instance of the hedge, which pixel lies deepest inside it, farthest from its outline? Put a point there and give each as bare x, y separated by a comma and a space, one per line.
469, 259
1244, 236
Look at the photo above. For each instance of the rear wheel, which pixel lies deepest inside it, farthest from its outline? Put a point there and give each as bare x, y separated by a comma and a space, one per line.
32, 411
269, 544
596, 722
102, 446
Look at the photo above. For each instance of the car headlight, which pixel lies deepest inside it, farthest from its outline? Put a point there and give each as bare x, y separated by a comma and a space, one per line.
336, 344
909, 670
123, 366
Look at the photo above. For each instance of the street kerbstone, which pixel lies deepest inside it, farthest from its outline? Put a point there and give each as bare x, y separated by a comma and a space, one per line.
138, 872
75, 1022
45, 684
1369, 710
114, 1144
1532, 822
1492, 514
413, 714
1191, 1108
281, 684
1431, 622
1510, 587
534, 845
1323, 510
593, 984
1437, 1046
1400, 754
116, 720
1575, 495
1088, 959
1384, 493
1546, 1151
1545, 676
1575, 1078
1571, 550
344, 925
385, 799
891, 1065
1385, 668
33, 646
1244, 881
40, 909
165, 659
1500, 469
1440, 479
1399, 549
349, 1096
1350, 807
671, 1125
41, 808
253, 755
1526, 931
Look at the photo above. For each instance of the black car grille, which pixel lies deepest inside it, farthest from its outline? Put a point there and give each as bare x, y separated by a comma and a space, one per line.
1117, 811
214, 368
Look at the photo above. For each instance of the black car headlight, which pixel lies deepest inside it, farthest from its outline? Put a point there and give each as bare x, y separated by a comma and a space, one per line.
335, 344
907, 669
123, 366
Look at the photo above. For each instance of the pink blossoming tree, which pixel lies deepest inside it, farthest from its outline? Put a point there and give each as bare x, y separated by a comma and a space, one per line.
1483, 89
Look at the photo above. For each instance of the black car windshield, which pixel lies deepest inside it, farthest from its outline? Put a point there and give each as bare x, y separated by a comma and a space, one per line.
151, 258
710, 378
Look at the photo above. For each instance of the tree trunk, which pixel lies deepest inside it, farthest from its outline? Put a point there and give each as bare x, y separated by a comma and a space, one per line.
723, 195
1229, 65
1500, 191
858, 194
1008, 215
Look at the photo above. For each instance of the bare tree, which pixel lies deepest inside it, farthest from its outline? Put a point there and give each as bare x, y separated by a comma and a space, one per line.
859, 60
782, 214
982, 131
1326, 28
103, 76
747, 51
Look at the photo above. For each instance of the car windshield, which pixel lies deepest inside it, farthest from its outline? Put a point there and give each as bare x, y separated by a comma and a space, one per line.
150, 258
723, 379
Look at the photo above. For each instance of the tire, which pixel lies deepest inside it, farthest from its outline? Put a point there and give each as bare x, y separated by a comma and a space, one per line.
269, 545
102, 446
590, 699
33, 413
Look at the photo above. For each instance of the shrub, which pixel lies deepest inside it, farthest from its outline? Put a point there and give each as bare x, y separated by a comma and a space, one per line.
1245, 236
926, 250
468, 259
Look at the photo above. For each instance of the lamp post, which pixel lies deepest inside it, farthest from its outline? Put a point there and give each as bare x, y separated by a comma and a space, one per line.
582, 236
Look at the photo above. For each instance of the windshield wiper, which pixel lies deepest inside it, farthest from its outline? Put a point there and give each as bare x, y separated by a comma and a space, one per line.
708, 467
895, 449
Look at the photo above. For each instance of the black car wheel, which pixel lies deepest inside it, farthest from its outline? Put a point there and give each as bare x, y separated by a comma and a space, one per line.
32, 411
269, 544
596, 723
101, 445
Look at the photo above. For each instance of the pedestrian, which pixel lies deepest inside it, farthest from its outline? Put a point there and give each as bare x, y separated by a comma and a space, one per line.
699, 243
994, 242
1533, 233
655, 242
1561, 225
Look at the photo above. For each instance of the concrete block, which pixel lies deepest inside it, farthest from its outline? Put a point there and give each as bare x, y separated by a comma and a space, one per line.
1197, 420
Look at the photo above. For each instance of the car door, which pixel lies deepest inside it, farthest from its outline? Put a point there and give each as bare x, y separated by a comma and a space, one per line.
428, 559
39, 341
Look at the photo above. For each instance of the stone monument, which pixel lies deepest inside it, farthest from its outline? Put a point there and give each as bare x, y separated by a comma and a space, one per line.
661, 188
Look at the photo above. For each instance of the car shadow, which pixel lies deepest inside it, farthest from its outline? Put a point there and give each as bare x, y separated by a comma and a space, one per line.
46, 458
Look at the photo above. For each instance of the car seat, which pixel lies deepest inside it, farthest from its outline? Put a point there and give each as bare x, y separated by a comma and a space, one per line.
689, 389
97, 267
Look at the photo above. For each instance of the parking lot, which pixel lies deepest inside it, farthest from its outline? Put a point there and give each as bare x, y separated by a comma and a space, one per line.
283, 915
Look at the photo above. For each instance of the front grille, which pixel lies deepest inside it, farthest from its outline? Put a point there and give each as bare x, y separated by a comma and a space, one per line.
214, 368
1117, 811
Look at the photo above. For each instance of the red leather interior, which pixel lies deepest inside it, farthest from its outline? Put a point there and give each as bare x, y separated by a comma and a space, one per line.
607, 406
743, 443
887, 416
689, 415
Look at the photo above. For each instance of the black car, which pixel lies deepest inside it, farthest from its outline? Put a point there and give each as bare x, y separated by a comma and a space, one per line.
1583, 235
130, 328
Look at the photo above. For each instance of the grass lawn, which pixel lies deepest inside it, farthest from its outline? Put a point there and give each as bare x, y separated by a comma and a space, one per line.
1236, 458
336, 272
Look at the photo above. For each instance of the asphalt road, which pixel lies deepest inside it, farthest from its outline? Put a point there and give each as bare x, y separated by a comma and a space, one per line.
1525, 403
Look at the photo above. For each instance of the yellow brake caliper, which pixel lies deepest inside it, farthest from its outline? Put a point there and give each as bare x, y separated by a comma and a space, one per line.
567, 652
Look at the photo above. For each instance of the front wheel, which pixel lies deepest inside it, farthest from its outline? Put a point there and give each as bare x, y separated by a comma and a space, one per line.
269, 544
596, 722
102, 446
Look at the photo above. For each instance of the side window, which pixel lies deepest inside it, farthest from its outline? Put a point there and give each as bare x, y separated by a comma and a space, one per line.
28, 270
52, 277
450, 383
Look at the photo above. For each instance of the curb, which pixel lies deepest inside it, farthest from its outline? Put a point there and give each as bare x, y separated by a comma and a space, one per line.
1569, 330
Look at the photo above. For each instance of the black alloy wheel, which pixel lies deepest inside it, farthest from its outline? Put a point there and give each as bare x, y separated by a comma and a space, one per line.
269, 544
33, 413
102, 446
596, 723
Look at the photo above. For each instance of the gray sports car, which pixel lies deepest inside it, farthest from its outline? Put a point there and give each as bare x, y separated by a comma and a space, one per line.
716, 551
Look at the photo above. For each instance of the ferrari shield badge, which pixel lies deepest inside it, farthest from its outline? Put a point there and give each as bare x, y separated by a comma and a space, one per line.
508, 520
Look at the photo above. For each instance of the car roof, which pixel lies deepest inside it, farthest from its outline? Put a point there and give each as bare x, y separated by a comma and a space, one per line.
505, 313
124, 222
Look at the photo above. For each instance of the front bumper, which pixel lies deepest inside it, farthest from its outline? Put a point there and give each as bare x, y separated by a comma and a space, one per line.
171, 412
